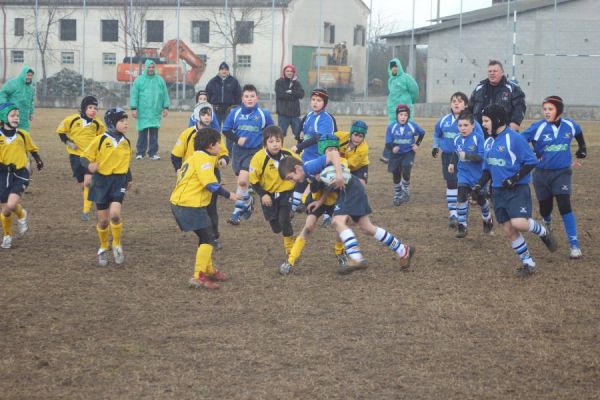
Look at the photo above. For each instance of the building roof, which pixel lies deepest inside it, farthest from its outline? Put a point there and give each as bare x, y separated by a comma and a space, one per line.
150, 3
472, 17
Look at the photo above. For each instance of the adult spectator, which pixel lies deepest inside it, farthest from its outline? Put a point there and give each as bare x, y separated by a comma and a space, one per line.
288, 92
149, 102
496, 89
403, 90
21, 92
224, 91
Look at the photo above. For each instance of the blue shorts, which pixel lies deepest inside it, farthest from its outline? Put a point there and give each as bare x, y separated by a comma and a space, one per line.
448, 177
362, 173
400, 160
552, 182
278, 201
191, 218
511, 203
353, 200
108, 189
78, 170
13, 182
241, 158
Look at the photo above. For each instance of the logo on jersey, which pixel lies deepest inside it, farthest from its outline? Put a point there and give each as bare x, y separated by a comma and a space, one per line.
547, 137
565, 188
523, 210
501, 149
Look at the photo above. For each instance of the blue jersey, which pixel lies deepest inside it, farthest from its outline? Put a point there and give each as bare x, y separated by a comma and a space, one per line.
213, 124
316, 124
403, 135
505, 155
469, 171
315, 166
446, 130
249, 123
551, 143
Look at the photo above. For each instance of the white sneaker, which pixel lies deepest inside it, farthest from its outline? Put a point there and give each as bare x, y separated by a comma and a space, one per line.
575, 253
6, 242
102, 257
155, 157
23, 224
118, 254
139, 157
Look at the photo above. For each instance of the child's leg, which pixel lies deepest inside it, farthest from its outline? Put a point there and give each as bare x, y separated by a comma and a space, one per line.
6, 217
204, 272
85, 186
546, 206
299, 190
569, 221
385, 237
397, 179
285, 224
296, 250
518, 243
102, 225
406, 170
214, 215
348, 238
451, 198
241, 206
462, 205
116, 225
531, 225
484, 203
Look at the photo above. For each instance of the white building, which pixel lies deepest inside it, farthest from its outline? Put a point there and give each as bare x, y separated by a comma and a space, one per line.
93, 40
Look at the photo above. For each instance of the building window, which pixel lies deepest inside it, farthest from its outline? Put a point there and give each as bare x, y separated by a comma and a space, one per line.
200, 31
328, 32
17, 56
109, 58
110, 30
19, 26
244, 61
154, 31
244, 31
359, 35
203, 57
67, 57
68, 29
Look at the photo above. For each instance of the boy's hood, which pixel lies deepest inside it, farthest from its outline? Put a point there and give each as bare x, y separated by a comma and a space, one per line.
398, 63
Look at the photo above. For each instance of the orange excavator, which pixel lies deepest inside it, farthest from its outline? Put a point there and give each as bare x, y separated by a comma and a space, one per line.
167, 64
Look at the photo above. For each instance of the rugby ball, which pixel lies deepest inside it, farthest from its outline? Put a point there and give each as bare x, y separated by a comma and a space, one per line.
327, 176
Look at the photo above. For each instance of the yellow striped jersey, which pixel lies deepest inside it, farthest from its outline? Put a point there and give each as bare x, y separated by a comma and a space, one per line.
196, 173
13, 149
264, 170
358, 156
184, 147
80, 132
112, 155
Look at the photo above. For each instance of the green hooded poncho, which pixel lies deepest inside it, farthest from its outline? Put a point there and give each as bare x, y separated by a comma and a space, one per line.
17, 91
149, 97
403, 90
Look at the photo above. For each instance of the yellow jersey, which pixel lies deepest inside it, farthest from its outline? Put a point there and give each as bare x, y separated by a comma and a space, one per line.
13, 149
264, 170
112, 155
184, 147
195, 174
358, 156
80, 132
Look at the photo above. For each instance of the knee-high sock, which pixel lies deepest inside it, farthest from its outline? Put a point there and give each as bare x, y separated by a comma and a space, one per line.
389, 240
203, 260
462, 212
296, 250
536, 227
240, 205
116, 233
351, 244
87, 204
288, 243
485, 211
451, 197
339, 247
6, 224
520, 247
103, 236
570, 224
397, 189
20, 212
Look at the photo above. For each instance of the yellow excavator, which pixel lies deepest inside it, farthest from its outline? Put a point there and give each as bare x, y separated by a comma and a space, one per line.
330, 70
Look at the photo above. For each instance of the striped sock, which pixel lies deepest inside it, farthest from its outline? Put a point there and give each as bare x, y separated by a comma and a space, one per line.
520, 247
296, 200
485, 211
351, 244
390, 241
451, 197
462, 210
241, 204
397, 189
536, 227
570, 224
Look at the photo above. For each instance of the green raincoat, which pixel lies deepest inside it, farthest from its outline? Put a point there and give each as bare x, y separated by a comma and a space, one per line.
149, 97
17, 91
403, 90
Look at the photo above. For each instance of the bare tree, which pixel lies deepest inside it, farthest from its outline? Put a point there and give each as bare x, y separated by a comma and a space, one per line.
379, 52
237, 25
132, 22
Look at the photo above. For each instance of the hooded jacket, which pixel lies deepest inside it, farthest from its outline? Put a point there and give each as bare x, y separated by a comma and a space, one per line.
149, 96
288, 93
509, 95
17, 91
403, 90
224, 93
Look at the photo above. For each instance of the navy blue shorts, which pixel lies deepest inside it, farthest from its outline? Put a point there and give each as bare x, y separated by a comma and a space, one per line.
241, 158
552, 182
279, 201
400, 160
321, 210
107, 189
353, 200
511, 203
13, 182
78, 170
362, 173
191, 218
448, 177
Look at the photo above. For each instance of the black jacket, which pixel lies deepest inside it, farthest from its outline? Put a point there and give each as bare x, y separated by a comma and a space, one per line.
509, 95
224, 92
288, 94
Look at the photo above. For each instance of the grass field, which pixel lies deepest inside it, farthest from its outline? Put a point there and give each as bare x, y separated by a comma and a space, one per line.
458, 325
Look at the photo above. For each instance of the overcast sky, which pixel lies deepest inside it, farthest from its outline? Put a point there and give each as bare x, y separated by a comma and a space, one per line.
399, 12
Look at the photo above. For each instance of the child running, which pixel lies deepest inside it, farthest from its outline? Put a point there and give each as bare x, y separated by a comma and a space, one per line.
196, 183
469, 153
275, 193
14, 176
400, 140
77, 131
552, 178
244, 126
108, 157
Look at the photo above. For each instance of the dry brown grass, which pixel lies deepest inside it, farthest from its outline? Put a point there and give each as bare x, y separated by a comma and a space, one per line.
458, 325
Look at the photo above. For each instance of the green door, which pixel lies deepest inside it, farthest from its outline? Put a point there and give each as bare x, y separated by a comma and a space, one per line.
301, 58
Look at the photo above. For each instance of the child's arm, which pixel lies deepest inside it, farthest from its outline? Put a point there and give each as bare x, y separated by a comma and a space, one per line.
176, 161
333, 157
